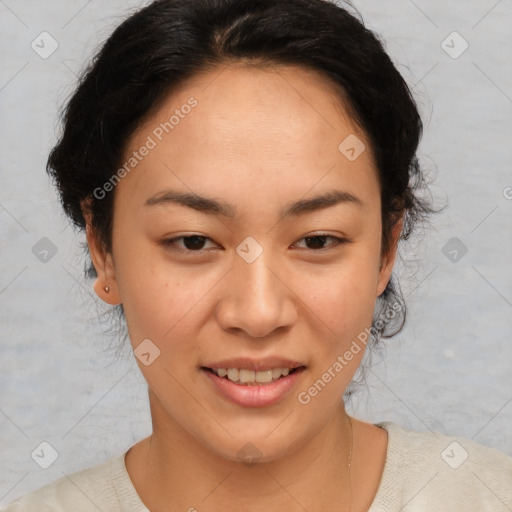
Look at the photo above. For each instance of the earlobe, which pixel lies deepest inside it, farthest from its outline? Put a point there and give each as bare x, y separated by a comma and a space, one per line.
106, 293
389, 260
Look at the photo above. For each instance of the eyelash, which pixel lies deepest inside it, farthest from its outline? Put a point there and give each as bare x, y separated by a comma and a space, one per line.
170, 243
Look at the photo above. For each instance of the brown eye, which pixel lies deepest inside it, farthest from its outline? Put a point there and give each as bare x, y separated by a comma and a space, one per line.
196, 243
317, 242
192, 243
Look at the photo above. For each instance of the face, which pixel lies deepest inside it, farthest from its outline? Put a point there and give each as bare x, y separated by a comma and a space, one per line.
257, 276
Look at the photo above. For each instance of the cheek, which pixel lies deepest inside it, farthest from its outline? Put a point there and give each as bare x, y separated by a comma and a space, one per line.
342, 296
162, 301
342, 302
152, 298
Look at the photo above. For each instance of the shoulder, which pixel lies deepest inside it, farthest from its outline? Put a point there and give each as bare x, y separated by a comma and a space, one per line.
428, 470
88, 490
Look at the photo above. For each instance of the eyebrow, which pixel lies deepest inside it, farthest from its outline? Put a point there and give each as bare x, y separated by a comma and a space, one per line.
218, 207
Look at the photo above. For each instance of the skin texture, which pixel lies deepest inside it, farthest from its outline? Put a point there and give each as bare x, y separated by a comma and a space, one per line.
257, 139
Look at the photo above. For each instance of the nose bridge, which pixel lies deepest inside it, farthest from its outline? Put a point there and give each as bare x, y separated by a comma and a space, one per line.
256, 271
256, 300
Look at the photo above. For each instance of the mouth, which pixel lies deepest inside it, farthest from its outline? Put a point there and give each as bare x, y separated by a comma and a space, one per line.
248, 377
245, 387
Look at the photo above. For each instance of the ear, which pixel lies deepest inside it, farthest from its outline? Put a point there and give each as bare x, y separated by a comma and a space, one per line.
388, 260
102, 261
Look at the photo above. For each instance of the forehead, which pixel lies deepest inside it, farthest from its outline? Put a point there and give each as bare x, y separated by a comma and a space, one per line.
237, 124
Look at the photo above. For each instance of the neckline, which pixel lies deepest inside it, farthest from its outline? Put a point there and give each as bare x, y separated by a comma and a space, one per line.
131, 502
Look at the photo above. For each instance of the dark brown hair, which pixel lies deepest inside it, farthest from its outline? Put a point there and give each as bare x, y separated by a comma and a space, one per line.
168, 41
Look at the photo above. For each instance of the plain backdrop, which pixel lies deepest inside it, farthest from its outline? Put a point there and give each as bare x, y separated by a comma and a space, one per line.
448, 371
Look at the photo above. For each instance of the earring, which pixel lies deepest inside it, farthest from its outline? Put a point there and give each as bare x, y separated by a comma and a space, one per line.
107, 289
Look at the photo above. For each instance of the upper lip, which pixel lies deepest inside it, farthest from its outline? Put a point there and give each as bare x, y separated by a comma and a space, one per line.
255, 364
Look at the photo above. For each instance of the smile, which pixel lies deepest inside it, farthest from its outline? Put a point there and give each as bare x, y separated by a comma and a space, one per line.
251, 377
253, 388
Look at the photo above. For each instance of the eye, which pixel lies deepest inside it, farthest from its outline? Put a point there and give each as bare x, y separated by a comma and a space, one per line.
195, 243
318, 241
192, 243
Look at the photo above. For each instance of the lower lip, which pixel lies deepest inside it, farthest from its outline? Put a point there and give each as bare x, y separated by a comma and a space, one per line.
257, 395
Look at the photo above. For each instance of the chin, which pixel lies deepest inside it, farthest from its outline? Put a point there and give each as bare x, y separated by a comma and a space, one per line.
264, 445
249, 452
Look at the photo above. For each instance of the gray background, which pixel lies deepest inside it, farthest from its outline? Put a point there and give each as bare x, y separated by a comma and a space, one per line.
448, 371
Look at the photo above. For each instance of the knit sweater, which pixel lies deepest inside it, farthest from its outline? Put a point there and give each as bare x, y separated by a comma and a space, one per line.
423, 472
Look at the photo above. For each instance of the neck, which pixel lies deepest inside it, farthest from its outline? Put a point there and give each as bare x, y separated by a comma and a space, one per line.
172, 470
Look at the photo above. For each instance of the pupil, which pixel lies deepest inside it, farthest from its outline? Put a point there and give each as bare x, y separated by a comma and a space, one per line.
195, 240
318, 240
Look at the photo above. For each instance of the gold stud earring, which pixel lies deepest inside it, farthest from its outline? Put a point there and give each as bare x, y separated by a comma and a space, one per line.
107, 289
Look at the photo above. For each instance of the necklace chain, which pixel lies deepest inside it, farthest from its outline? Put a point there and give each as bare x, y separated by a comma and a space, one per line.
350, 462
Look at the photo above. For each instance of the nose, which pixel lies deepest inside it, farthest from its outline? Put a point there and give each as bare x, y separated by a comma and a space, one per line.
257, 298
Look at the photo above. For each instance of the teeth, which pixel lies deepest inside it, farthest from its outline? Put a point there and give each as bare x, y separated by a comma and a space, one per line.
233, 374
244, 376
264, 376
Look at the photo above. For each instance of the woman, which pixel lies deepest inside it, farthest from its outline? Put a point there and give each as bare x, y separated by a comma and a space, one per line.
244, 171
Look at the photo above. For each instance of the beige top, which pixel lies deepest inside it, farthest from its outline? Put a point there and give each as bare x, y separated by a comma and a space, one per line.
423, 472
